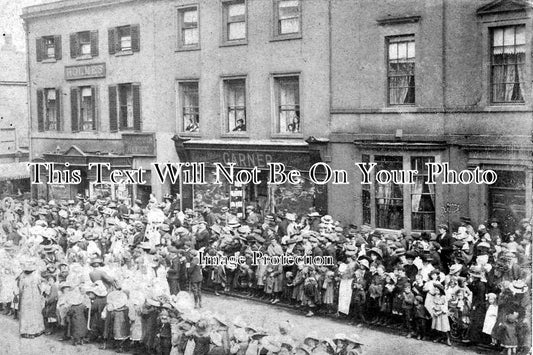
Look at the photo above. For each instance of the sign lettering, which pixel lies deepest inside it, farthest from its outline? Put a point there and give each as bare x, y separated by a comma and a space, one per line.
85, 71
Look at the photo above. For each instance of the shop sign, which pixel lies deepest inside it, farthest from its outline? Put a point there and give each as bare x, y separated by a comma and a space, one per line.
139, 144
86, 71
252, 159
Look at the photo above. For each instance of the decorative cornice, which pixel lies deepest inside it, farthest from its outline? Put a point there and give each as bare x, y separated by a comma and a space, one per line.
67, 6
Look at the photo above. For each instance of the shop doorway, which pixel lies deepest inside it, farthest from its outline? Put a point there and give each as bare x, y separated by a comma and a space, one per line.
507, 199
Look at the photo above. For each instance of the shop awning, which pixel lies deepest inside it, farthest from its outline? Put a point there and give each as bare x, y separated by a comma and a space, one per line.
14, 171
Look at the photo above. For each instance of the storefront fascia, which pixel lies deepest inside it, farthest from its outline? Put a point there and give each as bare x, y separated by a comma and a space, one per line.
246, 156
80, 160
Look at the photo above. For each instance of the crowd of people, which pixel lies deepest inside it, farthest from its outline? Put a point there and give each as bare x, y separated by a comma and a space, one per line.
129, 277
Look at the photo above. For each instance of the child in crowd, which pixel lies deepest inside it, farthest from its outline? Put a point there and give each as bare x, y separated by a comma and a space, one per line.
491, 315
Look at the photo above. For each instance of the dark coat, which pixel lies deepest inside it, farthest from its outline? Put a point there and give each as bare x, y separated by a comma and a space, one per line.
77, 321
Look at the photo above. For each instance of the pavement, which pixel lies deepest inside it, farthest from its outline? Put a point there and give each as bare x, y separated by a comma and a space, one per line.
260, 314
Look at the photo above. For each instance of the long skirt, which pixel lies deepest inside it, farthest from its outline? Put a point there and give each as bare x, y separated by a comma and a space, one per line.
345, 295
31, 306
441, 323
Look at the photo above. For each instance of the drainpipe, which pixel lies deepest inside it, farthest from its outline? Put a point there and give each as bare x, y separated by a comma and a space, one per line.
29, 105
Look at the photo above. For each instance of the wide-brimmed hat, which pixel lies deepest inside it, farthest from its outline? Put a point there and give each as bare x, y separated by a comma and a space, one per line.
98, 289
312, 335
290, 217
327, 219
376, 251
354, 338
271, 344
313, 214
455, 269
98, 261
304, 348
476, 271
364, 263
518, 286
29, 267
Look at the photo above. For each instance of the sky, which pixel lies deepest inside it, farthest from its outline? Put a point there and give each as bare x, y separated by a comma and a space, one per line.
10, 21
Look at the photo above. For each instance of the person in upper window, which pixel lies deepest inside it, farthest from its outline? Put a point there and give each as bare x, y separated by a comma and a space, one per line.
240, 127
192, 126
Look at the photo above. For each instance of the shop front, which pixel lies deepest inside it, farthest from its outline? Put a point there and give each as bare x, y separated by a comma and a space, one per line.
76, 159
300, 197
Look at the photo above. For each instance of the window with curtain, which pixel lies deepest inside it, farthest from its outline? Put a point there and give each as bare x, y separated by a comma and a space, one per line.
389, 197
49, 47
288, 17
401, 70
124, 38
190, 106
508, 56
422, 196
288, 104
51, 109
125, 100
84, 39
86, 108
188, 18
235, 17
235, 90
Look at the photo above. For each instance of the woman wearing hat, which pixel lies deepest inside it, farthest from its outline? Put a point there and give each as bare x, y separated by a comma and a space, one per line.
31, 323
439, 314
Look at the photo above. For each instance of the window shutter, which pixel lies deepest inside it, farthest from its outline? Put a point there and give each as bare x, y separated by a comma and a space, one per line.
74, 45
135, 31
113, 123
59, 112
39, 48
111, 43
74, 93
40, 109
94, 94
94, 43
136, 91
58, 49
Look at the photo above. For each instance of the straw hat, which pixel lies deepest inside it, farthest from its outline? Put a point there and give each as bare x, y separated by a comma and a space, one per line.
354, 338
312, 335
327, 219
518, 287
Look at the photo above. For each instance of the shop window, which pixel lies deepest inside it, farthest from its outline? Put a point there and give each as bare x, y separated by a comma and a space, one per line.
422, 196
287, 18
287, 96
83, 108
124, 39
124, 107
401, 70
48, 48
508, 56
234, 14
84, 45
48, 109
235, 104
366, 196
188, 32
189, 102
389, 197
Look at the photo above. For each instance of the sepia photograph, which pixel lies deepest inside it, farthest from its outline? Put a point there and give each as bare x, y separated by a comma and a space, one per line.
263, 177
